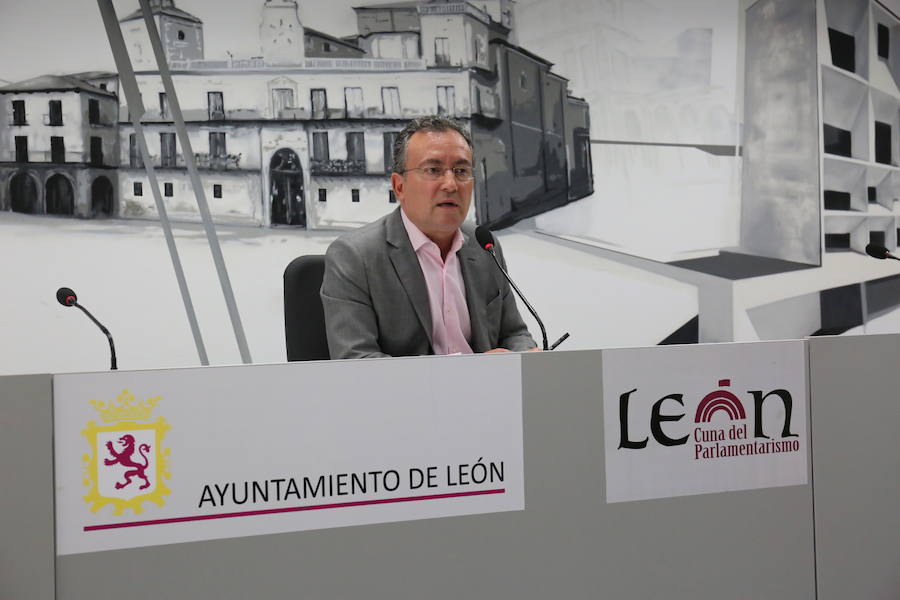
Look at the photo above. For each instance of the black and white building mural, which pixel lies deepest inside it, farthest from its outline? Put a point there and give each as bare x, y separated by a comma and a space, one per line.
700, 170
301, 133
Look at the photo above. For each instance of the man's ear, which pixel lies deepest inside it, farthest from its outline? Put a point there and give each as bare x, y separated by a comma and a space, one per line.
397, 182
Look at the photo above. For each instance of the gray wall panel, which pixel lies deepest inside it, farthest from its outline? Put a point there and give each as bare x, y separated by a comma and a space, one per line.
856, 465
27, 553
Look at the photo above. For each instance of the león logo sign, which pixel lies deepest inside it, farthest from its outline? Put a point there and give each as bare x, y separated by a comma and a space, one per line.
712, 440
127, 464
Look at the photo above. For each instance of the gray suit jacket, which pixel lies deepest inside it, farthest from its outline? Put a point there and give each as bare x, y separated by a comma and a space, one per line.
376, 300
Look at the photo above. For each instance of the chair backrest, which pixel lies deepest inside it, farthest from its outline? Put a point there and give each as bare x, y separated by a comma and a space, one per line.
304, 319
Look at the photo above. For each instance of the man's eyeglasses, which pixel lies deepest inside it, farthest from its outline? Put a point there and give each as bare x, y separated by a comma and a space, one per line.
461, 174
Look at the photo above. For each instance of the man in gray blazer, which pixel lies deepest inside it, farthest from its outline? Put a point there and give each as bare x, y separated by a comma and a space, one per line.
381, 289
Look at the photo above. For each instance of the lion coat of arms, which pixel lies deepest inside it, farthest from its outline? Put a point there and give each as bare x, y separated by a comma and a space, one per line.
127, 464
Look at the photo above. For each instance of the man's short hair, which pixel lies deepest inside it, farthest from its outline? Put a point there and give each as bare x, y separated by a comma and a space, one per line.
436, 123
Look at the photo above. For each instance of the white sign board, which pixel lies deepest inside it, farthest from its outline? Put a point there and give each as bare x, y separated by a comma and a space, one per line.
160, 457
706, 418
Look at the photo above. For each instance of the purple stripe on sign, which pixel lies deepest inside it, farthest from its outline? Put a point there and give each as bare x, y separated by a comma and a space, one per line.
275, 511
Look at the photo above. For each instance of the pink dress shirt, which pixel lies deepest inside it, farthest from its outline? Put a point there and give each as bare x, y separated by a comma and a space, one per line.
451, 329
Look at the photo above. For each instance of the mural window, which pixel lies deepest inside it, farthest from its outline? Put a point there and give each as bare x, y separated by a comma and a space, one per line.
217, 190
21, 148
57, 149
323, 195
166, 149
882, 142
215, 105
96, 151
354, 195
523, 81
353, 101
168, 189
217, 144
884, 41
356, 147
93, 111
19, 113
326, 47
319, 102
54, 116
390, 100
392, 198
442, 51
320, 145
446, 100
282, 98
163, 106
138, 188
102, 86
389, 138
181, 35
134, 153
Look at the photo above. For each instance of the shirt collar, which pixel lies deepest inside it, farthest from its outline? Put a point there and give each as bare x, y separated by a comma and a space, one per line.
419, 239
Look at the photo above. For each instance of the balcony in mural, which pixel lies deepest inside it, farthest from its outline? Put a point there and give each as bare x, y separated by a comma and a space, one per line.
216, 163
456, 8
202, 160
46, 157
309, 64
337, 167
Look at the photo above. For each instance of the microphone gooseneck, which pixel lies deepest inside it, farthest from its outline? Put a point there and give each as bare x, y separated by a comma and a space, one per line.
66, 297
486, 240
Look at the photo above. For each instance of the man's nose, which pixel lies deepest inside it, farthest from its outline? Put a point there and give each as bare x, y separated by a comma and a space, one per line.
448, 181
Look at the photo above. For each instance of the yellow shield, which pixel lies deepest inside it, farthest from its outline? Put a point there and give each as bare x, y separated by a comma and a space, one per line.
127, 464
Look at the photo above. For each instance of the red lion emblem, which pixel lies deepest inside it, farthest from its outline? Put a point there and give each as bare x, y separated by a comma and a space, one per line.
126, 458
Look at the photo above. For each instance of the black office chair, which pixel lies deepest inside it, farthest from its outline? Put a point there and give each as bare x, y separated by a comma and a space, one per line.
304, 319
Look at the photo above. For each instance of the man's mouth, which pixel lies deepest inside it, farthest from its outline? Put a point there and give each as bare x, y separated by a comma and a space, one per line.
448, 204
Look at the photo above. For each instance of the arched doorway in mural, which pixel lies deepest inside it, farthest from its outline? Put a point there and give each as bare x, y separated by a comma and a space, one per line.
286, 189
23, 194
101, 198
60, 196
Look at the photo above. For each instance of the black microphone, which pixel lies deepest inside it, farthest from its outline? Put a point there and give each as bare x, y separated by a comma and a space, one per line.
66, 297
486, 240
880, 252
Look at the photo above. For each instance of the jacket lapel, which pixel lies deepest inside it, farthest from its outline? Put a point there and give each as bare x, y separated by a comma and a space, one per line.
476, 287
406, 265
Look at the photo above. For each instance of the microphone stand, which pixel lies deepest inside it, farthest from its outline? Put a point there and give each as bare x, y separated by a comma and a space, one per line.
112, 348
533, 312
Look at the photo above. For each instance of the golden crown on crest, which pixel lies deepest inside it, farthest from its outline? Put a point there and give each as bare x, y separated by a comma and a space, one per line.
125, 407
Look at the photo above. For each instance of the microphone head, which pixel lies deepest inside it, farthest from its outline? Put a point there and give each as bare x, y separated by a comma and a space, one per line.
876, 251
66, 296
484, 237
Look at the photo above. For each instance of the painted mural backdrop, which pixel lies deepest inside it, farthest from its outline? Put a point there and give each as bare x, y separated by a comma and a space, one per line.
658, 171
